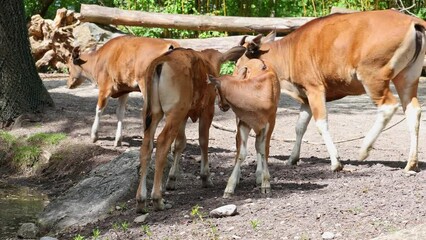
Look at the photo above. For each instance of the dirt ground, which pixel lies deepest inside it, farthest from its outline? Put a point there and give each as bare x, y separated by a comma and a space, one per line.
367, 199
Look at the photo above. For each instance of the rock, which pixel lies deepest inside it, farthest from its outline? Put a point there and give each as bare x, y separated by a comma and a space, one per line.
327, 235
87, 35
224, 211
28, 230
91, 199
141, 218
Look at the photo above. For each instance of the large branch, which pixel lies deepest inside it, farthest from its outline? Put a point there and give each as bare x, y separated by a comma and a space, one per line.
115, 16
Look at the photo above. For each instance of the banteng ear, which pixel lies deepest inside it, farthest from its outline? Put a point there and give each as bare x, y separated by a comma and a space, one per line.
270, 37
242, 73
257, 40
76, 56
243, 41
233, 54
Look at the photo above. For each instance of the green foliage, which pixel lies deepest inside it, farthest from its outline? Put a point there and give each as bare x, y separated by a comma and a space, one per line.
23, 154
227, 68
254, 224
196, 212
96, 233
248, 8
46, 138
124, 226
6, 137
79, 237
146, 230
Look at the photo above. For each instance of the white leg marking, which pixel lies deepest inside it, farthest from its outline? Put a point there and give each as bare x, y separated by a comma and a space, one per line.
413, 115
305, 116
95, 126
384, 115
262, 176
121, 109
236, 173
331, 148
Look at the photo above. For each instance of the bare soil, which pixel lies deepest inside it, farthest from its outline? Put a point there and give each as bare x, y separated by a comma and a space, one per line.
367, 199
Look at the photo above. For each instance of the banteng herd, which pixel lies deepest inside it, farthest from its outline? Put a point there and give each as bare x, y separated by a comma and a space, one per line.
326, 59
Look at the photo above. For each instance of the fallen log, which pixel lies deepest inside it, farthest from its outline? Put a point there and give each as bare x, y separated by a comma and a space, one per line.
115, 16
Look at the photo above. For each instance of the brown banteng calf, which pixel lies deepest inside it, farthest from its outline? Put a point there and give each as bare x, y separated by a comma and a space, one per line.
118, 68
349, 54
176, 88
253, 94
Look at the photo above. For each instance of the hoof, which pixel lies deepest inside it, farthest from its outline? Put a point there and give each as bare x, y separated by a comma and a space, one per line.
363, 154
141, 207
94, 138
265, 190
291, 162
117, 143
158, 204
228, 195
207, 182
411, 168
337, 167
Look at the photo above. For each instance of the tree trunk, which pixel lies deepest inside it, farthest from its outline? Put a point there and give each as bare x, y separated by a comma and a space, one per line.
21, 89
115, 16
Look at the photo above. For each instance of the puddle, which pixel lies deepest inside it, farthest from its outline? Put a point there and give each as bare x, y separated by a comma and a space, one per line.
18, 205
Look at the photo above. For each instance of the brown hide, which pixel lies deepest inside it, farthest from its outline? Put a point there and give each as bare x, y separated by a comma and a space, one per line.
327, 53
176, 88
349, 54
253, 93
119, 65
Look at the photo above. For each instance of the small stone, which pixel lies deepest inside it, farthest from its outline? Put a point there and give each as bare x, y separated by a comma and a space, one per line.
327, 235
186, 216
168, 206
141, 218
28, 230
118, 208
222, 173
248, 200
224, 211
235, 237
48, 238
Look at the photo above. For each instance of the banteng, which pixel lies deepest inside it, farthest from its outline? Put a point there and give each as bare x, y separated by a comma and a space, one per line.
349, 54
176, 88
253, 94
118, 68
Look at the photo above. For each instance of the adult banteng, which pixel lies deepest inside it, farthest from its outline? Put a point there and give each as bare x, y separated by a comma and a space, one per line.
117, 68
176, 88
349, 54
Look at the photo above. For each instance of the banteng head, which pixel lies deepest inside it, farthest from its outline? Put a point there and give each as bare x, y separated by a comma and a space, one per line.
254, 47
76, 77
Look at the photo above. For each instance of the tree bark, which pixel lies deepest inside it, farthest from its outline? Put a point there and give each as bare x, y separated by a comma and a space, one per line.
115, 16
21, 89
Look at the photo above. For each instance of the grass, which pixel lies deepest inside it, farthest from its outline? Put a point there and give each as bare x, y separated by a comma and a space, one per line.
24, 154
254, 224
146, 230
46, 138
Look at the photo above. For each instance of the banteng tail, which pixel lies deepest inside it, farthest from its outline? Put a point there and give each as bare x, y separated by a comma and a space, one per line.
153, 74
420, 35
